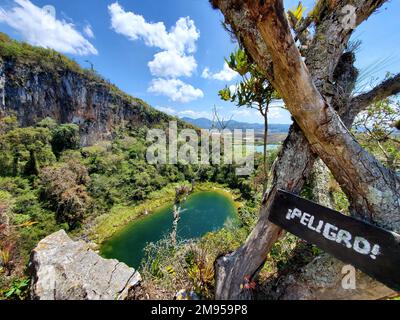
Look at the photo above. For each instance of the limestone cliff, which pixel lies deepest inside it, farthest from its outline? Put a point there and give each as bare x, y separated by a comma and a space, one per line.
36, 83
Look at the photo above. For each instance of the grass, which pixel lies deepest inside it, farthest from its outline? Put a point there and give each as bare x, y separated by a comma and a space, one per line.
211, 186
108, 224
45, 58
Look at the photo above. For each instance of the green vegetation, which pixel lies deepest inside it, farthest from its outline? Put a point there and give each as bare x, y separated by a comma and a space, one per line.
57, 64
120, 215
48, 182
38, 56
254, 91
375, 129
18, 290
187, 265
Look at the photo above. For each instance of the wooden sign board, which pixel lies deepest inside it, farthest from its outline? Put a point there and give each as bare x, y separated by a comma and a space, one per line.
373, 250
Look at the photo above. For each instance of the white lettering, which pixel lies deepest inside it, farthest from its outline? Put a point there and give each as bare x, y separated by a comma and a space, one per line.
168, 311
333, 233
376, 250
327, 232
305, 218
344, 236
361, 245
296, 213
318, 228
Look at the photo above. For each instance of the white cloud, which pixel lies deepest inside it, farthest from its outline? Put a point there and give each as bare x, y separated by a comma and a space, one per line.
278, 113
178, 44
167, 110
233, 88
181, 38
185, 113
175, 89
42, 29
206, 73
244, 112
172, 64
226, 74
88, 31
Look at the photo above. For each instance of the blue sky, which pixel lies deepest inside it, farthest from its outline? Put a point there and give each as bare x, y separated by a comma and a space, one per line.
170, 53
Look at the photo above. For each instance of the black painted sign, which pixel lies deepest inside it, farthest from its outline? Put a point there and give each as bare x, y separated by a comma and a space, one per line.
373, 250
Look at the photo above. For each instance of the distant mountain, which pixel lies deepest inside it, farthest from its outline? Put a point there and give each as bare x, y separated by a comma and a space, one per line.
205, 123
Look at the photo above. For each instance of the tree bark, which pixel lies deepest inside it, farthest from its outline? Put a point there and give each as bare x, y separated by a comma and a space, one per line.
296, 159
319, 180
373, 190
290, 172
265, 155
387, 88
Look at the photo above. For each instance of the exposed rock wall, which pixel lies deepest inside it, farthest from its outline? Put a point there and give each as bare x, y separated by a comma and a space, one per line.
67, 96
67, 270
322, 279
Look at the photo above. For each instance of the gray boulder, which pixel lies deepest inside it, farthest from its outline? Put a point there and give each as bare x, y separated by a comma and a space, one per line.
68, 270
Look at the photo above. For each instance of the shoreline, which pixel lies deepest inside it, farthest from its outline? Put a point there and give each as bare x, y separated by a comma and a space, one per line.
109, 224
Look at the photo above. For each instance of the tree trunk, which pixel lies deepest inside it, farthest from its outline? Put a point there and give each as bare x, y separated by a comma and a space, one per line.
265, 156
249, 23
372, 189
289, 173
319, 180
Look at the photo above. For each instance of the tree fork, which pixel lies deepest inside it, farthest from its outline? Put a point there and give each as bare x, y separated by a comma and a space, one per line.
241, 21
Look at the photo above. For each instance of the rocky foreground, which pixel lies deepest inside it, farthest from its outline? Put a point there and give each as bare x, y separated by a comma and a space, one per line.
69, 270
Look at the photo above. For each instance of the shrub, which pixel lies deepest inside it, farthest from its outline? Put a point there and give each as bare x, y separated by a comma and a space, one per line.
64, 188
19, 289
23, 151
5, 258
64, 137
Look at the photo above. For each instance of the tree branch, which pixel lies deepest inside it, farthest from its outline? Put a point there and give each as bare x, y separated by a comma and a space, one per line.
295, 161
382, 91
330, 139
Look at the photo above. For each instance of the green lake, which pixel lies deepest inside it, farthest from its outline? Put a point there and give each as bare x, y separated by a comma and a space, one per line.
202, 212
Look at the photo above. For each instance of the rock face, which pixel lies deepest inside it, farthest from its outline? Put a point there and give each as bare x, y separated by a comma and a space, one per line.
67, 96
322, 279
67, 270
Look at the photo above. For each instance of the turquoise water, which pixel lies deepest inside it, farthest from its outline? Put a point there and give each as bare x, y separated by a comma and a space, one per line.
201, 213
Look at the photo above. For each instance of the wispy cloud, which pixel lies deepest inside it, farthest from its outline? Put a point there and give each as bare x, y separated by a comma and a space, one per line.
186, 113
40, 28
88, 31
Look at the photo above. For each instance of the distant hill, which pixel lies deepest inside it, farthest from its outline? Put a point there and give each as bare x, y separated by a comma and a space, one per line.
205, 123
